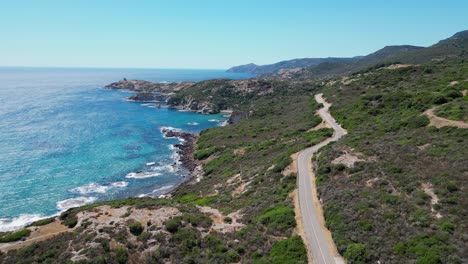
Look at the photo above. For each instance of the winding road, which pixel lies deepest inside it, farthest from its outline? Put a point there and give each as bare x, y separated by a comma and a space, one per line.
318, 239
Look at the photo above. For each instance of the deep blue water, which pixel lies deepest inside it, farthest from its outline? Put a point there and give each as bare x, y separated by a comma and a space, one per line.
65, 141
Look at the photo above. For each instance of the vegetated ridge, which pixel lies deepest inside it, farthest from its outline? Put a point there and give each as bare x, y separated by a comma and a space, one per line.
393, 189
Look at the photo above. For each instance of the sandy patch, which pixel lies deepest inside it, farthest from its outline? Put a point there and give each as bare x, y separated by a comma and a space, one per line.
453, 83
219, 225
442, 122
239, 151
425, 146
292, 168
427, 187
320, 126
39, 233
349, 158
398, 66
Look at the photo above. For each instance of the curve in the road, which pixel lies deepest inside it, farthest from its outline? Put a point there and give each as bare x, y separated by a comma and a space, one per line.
322, 249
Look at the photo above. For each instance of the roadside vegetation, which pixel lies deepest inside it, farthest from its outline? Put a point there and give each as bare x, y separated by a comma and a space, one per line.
380, 209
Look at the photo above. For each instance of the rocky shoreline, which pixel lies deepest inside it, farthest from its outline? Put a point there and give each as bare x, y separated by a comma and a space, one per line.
186, 150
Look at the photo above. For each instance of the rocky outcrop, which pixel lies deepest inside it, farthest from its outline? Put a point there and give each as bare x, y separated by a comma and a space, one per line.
149, 97
145, 86
185, 149
237, 116
192, 105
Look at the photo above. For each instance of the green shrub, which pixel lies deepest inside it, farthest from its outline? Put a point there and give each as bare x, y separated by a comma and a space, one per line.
43, 221
15, 236
291, 250
70, 221
136, 228
172, 225
278, 218
121, 255
356, 253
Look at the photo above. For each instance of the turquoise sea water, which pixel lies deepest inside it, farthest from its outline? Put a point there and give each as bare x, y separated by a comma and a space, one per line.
65, 141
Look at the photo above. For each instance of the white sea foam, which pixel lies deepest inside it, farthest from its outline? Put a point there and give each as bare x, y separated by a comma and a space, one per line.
74, 202
142, 175
163, 128
193, 124
119, 184
214, 120
10, 224
97, 188
166, 187
150, 163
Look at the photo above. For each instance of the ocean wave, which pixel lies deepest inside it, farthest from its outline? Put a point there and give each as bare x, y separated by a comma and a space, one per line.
150, 163
10, 224
167, 128
74, 202
97, 188
214, 120
142, 175
163, 188
192, 123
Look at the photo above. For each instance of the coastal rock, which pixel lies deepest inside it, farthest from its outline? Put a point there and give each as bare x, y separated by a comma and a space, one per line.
235, 117
185, 149
149, 97
192, 105
146, 86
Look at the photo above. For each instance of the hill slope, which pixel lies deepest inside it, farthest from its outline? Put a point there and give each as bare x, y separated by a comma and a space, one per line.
285, 65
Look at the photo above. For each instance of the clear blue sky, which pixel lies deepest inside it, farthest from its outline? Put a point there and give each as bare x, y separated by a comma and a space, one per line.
214, 33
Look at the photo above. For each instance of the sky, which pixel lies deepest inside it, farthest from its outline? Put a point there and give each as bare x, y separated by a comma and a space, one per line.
214, 34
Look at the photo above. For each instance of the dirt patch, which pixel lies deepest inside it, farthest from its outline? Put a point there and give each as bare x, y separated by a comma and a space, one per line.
425, 146
292, 168
427, 188
38, 233
95, 219
319, 126
349, 158
442, 122
239, 151
219, 223
465, 92
370, 183
453, 83
398, 66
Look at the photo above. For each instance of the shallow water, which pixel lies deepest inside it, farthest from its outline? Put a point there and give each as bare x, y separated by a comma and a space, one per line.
65, 141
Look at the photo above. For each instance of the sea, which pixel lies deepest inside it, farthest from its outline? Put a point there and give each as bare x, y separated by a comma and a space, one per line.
66, 142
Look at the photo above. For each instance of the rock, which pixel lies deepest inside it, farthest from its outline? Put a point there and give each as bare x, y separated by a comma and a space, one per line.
149, 97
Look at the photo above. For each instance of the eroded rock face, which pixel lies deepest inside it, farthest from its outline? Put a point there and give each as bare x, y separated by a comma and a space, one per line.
192, 105
149, 97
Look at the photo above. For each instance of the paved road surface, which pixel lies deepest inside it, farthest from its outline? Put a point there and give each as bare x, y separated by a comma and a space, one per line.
316, 239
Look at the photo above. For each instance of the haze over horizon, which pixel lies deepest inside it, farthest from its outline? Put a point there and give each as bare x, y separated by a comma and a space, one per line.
214, 35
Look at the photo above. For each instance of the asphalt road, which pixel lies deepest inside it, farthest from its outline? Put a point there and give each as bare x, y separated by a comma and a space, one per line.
321, 250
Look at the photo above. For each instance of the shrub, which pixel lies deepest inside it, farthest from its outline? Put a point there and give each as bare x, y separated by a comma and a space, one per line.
121, 255
136, 228
356, 253
291, 250
279, 217
172, 225
43, 221
228, 219
70, 222
15, 236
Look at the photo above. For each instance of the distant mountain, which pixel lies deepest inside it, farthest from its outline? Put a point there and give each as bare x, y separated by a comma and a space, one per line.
450, 48
285, 65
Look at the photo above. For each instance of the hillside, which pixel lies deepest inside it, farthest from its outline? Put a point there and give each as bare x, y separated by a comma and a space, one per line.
286, 65
393, 189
